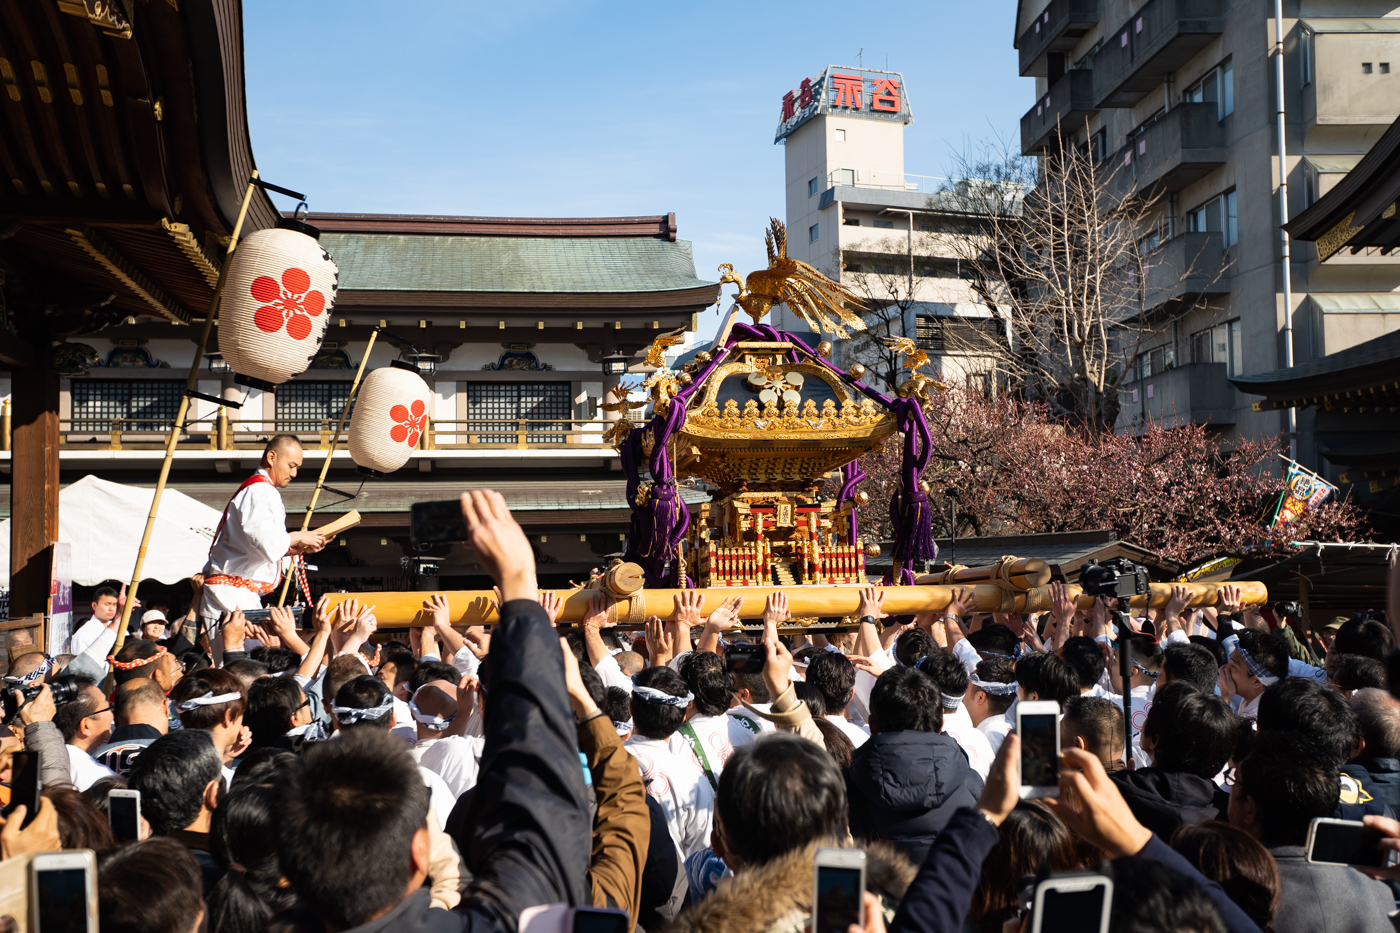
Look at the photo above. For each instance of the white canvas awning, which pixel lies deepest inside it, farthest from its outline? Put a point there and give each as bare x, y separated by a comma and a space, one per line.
103, 521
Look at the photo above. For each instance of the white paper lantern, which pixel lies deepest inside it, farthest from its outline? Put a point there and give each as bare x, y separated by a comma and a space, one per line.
276, 304
391, 414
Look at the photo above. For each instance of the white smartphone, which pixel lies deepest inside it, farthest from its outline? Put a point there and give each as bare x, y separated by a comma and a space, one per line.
124, 814
1347, 842
1073, 902
1038, 726
63, 892
838, 890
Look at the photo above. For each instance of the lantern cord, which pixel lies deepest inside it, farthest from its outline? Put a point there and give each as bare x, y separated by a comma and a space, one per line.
348, 496
330, 451
178, 426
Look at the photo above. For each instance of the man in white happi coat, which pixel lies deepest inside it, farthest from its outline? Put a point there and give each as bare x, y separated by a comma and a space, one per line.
245, 559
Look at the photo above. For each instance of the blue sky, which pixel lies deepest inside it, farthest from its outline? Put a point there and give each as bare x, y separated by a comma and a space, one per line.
534, 108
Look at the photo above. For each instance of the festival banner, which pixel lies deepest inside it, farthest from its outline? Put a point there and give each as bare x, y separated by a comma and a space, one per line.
1303, 491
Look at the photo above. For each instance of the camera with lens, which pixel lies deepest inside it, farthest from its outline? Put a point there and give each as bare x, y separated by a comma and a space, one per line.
1116, 578
1291, 610
64, 688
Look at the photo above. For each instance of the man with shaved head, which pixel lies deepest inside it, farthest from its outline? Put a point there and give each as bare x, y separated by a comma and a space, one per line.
245, 559
441, 709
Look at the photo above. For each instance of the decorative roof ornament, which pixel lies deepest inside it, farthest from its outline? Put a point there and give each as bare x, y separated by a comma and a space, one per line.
824, 305
918, 384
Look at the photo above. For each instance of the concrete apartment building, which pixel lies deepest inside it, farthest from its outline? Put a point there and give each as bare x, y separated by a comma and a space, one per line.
856, 215
1177, 98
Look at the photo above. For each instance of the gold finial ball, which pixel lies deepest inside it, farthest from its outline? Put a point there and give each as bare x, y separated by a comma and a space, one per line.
923, 487
872, 550
824, 349
702, 357
862, 497
685, 379
857, 370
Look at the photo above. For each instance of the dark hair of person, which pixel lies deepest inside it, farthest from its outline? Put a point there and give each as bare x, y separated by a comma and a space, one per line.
1191, 664
364, 692
617, 704
994, 638
1216, 649
945, 670
1086, 657
340, 671
243, 833
102, 591
171, 773
209, 680
905, 698
1378, 715
832, 673
1365, 637
135, 649
149, 887
279, 660
272, 702
755, 685
402, 657
246, 670
658, 720
997, 671
778, 794
1099, 721
1047, 676
704, 676
429, 671
593, 684
360, 794
97, 791
913, 645
264, 764
1031, 838
806, 653
68, 716
1194, 731
81, 825
282, 443
1149, 897
1293, 780
1301, 705
1358, 672
838, 744
811, 698
1268, 650
1236, 861
1147, 650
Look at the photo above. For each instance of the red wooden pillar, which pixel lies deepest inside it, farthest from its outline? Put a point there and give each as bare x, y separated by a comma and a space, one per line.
33, 486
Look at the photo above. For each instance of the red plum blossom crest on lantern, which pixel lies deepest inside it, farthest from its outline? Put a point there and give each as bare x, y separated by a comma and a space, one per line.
410, 423
293, 302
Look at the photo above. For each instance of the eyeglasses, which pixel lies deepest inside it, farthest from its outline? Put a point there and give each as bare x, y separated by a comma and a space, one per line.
304, 703
98, 712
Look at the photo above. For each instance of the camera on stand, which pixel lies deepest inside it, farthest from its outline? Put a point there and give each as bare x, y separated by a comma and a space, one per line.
1116, 578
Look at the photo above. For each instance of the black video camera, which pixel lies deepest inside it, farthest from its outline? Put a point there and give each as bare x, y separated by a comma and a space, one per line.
13, 697
1292, 610
1116, 578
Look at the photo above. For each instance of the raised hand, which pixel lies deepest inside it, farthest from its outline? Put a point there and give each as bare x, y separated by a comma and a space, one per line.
775, 610
501, 546
1062, 603
1092, 807
871, 599
726, 616
552, 604
689, 605
1230, 599
661, 646
233, 629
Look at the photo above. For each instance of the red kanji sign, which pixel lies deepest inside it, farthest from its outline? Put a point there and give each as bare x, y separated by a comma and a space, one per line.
848, 88
788, 110
804, 94
885, 96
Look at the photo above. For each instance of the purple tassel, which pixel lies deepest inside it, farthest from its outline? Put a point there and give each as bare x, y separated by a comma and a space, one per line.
910, 511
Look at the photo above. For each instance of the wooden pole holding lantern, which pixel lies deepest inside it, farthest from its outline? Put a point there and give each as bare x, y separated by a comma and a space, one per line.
330, 453
190, 384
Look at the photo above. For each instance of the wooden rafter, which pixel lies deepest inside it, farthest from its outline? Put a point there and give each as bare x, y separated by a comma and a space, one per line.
184, 239
122, 268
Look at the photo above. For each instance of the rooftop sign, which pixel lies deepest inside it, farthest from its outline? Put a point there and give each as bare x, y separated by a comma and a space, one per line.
855, 92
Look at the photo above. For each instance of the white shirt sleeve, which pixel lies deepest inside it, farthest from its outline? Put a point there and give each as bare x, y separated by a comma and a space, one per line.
85, 636
467, 664
264, 521
967, 654
612, 675
1178, 637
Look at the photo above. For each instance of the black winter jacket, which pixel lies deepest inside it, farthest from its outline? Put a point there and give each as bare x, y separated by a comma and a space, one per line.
905, 786
1163, 800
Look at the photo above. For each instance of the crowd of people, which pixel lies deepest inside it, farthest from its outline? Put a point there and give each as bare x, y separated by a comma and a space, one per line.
325, 779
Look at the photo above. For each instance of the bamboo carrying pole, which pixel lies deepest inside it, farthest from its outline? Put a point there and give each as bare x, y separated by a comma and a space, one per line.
190, 385
1022, 572
630, 608
330, 454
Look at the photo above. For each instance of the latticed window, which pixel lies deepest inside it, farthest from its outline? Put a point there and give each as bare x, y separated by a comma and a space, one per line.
495, 411
126, 404
310, 406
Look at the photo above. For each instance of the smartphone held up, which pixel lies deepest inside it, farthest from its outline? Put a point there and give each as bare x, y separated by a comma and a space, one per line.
838, 890
1038, 726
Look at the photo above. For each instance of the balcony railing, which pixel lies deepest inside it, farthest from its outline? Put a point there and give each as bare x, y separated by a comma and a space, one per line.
1182, 146
1058, 29
1063, 109
1155, 41
1185, 269
886, 181
1193, 393
233, 434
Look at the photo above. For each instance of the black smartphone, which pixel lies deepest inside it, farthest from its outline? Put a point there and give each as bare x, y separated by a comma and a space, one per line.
1072, 902
437, 521
259, 616
124, 813
25, 785
745, 659
599, 920
1346, 842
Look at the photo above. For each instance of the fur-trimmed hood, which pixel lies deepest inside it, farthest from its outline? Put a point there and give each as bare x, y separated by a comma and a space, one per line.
777, 897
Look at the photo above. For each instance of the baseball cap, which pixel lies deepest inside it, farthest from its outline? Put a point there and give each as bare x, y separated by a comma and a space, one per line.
1336, 623
153, 615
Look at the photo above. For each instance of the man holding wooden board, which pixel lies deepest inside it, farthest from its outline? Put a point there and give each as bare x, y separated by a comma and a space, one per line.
245, 558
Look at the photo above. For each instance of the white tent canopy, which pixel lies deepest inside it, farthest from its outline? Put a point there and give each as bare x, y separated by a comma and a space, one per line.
103, 521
